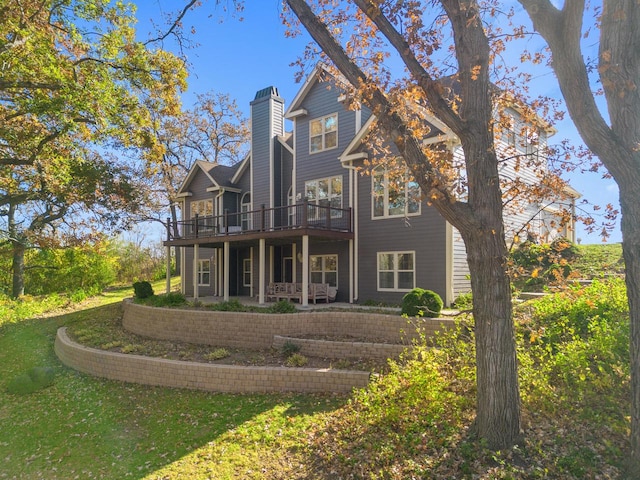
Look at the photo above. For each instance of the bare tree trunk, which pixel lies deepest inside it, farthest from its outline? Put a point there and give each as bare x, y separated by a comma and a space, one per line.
498, 397
631, 251
18, 270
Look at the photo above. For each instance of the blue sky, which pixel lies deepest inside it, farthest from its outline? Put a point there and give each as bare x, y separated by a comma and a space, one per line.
241, 57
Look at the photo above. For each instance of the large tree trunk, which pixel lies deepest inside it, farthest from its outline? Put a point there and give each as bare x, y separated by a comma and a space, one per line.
480, 220
616, 145
631, 250
498, 397
18, 270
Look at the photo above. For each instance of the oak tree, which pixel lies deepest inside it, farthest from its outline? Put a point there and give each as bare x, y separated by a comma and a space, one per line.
73, 76
464, 99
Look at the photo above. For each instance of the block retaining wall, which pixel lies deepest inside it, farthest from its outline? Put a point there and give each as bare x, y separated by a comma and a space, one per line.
257, 330
335, 349
202, 376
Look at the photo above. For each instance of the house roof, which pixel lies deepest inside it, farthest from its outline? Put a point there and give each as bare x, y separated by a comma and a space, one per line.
314, 77
220, 176
439, 133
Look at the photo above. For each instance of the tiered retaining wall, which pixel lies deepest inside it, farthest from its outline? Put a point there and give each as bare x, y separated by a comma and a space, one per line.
203, 376
380, 336
256, 330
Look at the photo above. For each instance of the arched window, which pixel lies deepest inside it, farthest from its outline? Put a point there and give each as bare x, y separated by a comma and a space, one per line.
245, 208
291, 210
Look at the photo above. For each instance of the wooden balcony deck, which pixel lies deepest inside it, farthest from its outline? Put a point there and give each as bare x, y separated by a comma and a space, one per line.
279, 222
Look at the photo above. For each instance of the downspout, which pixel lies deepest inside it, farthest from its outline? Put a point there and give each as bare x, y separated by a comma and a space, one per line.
353, 253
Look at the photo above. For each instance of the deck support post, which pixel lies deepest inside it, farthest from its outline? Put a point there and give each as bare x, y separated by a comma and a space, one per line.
261, 270
304, 300
225, 262
196, 254
168, 276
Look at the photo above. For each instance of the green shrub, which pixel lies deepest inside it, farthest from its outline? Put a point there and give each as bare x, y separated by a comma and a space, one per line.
171, 299
142, 289
230, 306
422, 303
574, 350
217, 354
31, 381
297, 360
464, 301
283, 306
289, 348
535, 265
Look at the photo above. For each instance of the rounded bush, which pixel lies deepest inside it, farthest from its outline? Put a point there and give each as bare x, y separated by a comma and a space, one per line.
143, 289
422, 303
283, 306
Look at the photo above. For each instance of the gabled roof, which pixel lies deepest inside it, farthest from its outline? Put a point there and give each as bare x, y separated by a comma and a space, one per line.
241, 167
286, 141
314, 77
220, 176
439, 133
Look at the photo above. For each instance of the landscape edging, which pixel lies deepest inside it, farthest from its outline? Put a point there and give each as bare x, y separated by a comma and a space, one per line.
203, 376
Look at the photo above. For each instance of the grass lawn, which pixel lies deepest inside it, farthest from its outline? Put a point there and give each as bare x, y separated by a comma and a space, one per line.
412, 422
84, 427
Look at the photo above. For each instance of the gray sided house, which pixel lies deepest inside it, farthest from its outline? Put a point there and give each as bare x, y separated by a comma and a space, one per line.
299, 211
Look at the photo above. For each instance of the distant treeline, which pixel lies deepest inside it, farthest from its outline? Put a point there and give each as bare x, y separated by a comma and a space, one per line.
89, 268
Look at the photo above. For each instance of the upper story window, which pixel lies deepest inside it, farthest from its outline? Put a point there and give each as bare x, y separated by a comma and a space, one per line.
394, 195
524, 138
202, 208
323, 133
325, 191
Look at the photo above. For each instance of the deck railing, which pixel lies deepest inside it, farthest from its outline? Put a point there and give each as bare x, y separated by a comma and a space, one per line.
290, 217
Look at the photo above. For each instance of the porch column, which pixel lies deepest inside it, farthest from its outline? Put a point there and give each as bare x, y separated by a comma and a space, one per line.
196, 254
261, 268
183, 271
351, 271
168, 251
253, 283
305, 271
294, 266
225, 282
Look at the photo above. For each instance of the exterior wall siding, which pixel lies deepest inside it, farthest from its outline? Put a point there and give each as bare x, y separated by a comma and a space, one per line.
322, 101
425, 234
461, 280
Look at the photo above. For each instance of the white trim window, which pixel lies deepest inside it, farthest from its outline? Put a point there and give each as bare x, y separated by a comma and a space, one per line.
204, 272
246, 272
203, 208
323, 269
245, 207
393, 196
323, 133
326, 192
396, 271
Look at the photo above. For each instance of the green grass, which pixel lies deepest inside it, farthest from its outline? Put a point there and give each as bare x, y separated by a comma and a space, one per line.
599, 259
411, 423
85, 427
